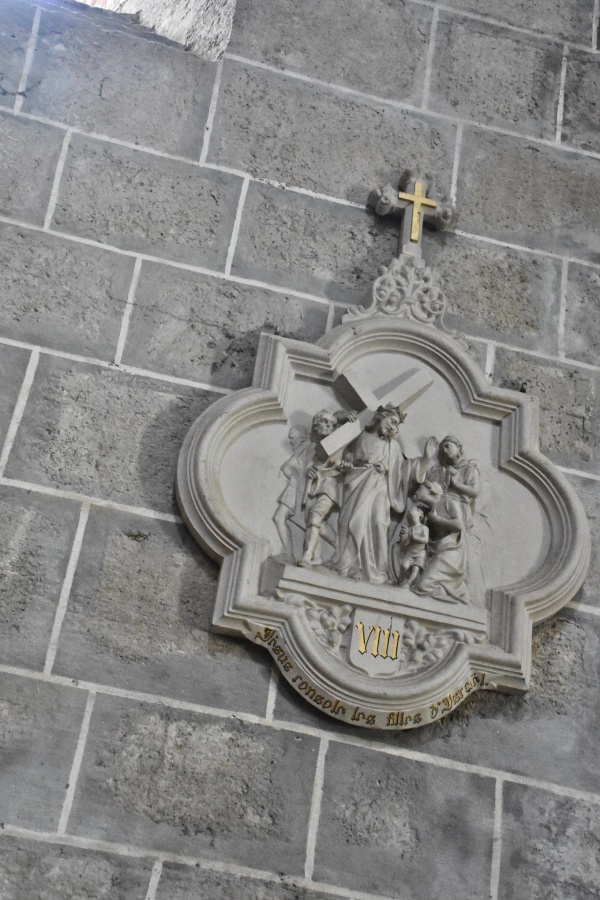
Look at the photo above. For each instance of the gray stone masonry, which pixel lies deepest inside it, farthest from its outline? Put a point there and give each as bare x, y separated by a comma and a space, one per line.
531, 194
545, 833
39, 728
15, 29
139, 615
547, 735
146, 203
30, 152
156, 214
161, 100
312, 137
475, 62
280, 35
13, 367
183, 883
570, 19
226, 790
104, 433
308, 244
582, 324
60, 293
384, 825
569, 398
195, 326
51, 872
581, 123
498, 293
37, 534
588, 490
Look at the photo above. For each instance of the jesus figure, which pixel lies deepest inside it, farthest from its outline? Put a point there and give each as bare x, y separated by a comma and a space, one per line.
377, 479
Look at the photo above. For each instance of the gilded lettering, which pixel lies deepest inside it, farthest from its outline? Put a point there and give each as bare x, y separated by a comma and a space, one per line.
357, 715
385, 635
362, 641
268, 635
375, 647
338, 709
395, 642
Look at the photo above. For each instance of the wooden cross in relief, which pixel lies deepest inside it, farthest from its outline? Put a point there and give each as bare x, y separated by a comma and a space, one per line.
401, 392
413, 201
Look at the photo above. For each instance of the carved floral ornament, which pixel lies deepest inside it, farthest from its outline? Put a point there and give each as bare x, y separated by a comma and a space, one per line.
385, 523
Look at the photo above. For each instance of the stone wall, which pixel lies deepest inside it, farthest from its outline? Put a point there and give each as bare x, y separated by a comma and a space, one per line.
156, 214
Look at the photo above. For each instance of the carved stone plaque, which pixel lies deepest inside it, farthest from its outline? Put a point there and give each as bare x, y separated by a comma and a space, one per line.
385, 523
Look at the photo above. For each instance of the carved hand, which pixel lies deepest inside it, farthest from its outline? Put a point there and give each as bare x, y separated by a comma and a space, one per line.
431, 447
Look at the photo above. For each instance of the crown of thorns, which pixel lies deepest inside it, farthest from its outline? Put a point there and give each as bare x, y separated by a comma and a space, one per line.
390, 408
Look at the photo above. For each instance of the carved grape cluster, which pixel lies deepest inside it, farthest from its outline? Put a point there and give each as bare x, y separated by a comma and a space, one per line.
329, 623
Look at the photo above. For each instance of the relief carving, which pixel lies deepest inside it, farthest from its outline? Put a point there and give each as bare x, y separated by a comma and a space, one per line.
371, 571
371, 514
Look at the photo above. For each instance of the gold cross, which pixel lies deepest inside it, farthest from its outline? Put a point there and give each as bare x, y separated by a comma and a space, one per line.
418, 199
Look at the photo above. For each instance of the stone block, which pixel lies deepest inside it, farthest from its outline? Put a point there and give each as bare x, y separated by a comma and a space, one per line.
61, 294
581, 120
39, 730
196, 785
569, 412
146, 203
582, 328
36, 535
30, 152
495, 76
282, 129
36, 871
400, 828
159, 98
321, 39
497, 293
588, 490
569, 19
103, 433
16, 20
139, 615
207, 329
187, 883
529, 194
306, 244
548, 734
550, 846
13, 365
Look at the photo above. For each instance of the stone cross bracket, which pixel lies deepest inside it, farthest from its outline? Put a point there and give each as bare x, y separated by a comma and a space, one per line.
412, 197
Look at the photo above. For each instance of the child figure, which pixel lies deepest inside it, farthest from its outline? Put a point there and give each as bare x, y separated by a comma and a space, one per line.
414, 538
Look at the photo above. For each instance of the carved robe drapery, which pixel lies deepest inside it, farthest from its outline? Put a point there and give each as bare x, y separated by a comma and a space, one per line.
367, 499
445, 573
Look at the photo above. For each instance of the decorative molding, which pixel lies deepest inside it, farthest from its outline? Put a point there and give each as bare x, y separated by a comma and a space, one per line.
481, 648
